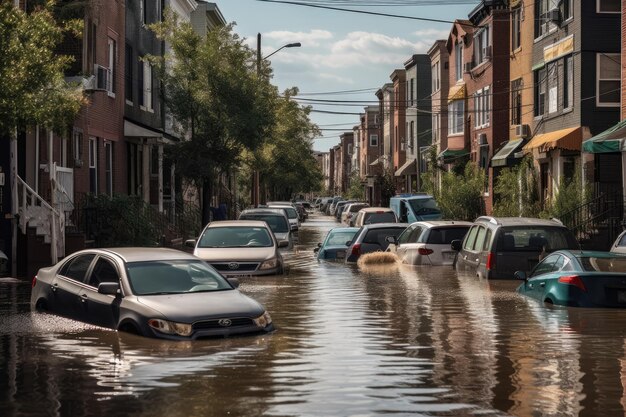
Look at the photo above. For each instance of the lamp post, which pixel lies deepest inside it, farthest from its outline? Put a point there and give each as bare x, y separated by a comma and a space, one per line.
256, 185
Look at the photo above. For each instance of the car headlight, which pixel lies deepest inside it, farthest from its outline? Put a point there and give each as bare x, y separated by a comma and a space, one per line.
263, 320
269, 264
170, 327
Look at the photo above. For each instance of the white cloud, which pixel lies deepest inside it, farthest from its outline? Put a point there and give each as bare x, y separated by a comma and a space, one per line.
312, 38
431, 34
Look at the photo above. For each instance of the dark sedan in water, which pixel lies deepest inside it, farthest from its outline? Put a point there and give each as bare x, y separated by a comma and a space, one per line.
578, 279
153, 292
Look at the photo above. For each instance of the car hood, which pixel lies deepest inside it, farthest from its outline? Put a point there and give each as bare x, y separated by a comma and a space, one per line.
235, 254
202, 305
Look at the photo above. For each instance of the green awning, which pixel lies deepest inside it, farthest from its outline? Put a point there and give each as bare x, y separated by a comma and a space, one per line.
501, 158
611, 140
538, 65
450, 155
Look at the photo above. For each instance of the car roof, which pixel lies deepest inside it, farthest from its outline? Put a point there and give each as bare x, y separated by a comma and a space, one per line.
518, 221
343, 229
385, 225
238, 223
591, 253
375, 209
138, 254
269, 210
442, 223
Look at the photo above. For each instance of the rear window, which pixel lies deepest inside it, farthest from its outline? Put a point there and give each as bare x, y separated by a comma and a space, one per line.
603, 264
535, 239
445, 235
356, 207
387, 217
378, 236
277, 223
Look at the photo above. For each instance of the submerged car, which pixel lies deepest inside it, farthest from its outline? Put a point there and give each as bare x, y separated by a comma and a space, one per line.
578, 279
154, 292
428, 242
335, 246
373, 238
239, 248
371, 215
292, 215
276, 219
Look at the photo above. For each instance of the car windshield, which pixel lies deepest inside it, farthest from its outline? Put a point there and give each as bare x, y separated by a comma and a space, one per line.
235, 237
174, 277
340, 237
384, 217
422, 206
612, 264
535, 238
277, 223
445, 235
291, 212
356, 207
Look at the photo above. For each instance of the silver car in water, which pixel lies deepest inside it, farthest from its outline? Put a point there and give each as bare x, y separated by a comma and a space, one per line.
239, 248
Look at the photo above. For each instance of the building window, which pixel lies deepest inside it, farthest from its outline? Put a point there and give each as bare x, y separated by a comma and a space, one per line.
458, 60
456, 112
412, 91
77, 147
568, 82
608, 6
540, 91
147, 86
482, 100
143, 11
567, 10
482, 43
424, 156
93, 165
108, 167
608, 80
349, 149
516, 101
544, 23
484, 164
373, 140
128, 74
553, 87
516, 28
112, 51
435, 77
140, 95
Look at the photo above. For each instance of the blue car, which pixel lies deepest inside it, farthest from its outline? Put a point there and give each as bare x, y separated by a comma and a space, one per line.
335, 243
578, 279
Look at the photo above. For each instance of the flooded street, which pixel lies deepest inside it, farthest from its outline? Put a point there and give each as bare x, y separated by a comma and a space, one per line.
386, 341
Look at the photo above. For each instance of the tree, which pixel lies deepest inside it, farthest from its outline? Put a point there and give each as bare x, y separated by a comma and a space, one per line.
356, 190
212, 89
33, 90
516, 191
286, 161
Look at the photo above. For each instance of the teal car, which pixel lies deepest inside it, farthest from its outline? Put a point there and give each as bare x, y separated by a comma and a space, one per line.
577, 279
334, 247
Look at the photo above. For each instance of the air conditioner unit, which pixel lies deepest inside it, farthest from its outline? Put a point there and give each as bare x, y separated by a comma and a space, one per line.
467, 67
553, 15
482, 139
522, 131
89, 83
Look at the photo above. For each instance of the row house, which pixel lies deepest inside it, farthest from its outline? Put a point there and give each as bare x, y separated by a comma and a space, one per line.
576, 66
355, 161
346, 143
369, 133
334, 171
398, 138
387, 104
417, 122
440, 84
115, 145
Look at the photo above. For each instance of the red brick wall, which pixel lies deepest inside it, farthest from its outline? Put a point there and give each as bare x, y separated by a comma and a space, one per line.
623, 107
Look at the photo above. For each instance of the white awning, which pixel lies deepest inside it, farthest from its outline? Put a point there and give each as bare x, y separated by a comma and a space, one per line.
409, 168
134, 130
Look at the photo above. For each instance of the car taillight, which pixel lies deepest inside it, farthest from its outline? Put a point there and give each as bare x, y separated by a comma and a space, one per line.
491, 261
356, 249
34, 281
573, 280
424, 251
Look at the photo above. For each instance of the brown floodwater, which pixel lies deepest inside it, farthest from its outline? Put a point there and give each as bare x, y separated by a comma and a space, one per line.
396, 341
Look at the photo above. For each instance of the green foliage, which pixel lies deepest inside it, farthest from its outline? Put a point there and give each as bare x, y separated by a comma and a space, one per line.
356, 191
212, 90
516, 191
386, 182
460, 195
33, 90
286, 161
571, 194
121, 220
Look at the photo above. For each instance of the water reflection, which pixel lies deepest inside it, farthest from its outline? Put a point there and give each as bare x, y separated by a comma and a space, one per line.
379, 340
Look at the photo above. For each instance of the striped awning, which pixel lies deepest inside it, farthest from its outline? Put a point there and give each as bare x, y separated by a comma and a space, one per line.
457, 92
611, 140
570, 139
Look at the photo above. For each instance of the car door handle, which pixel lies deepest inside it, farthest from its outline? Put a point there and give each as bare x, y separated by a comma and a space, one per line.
83, 298
542, 284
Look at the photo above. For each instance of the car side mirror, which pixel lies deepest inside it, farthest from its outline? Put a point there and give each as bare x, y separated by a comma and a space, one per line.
190, 243
317, 248
109, 288
456, 245
391, 239
521, 275
234, 282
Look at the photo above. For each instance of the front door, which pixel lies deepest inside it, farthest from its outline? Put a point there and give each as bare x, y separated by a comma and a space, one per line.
100, 309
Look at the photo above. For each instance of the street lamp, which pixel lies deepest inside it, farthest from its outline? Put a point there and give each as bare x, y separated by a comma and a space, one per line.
256, 183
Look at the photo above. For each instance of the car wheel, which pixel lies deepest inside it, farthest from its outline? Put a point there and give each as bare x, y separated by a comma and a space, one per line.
129, 328
41, 305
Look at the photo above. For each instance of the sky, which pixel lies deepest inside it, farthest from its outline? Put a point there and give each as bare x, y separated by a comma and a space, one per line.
341, 51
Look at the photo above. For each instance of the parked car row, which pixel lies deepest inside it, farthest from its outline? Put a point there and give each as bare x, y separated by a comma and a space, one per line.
543, 253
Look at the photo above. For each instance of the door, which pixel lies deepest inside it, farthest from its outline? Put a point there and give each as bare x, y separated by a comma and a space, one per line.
466, 258
410, 247
536, 284
66, 286
100, 309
